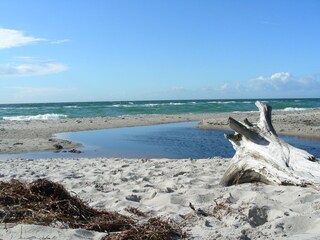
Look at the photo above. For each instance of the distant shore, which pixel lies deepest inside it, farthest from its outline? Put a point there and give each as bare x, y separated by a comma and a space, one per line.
36, 135
305, 124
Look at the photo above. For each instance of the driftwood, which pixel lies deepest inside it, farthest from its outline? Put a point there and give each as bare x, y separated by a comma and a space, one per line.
261, 156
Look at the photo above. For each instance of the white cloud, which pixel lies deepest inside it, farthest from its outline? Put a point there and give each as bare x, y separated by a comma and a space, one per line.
284, 82
260, 78
281, 76
31, 69
61, 41
224, 87
10, 38
276, 81
279, 84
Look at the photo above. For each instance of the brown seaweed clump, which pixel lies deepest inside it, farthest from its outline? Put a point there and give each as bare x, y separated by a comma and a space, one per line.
47, 203
153, 229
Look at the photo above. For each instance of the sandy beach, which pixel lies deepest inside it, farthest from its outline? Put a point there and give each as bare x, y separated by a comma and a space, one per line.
165, 187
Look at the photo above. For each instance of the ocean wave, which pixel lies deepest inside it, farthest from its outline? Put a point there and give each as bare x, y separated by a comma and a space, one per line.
246, 102
163, 104
123, 105
222, 102
151, 104
294, 109
47, 116
71, 107
176, 104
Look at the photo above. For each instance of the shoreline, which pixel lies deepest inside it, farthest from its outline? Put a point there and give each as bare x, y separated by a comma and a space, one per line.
36, 135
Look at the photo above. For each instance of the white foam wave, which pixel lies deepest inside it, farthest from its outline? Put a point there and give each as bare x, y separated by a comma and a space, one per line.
71, 107
176, 104
122, 105
163, 104
294, 109
47, 116
151, 104
222, 102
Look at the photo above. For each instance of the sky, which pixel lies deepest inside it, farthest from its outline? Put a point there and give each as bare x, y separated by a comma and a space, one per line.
111, 50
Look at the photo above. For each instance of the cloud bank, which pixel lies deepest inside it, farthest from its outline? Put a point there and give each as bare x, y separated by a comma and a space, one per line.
276, 81
31, 69
276, 85
10, 38
284, 81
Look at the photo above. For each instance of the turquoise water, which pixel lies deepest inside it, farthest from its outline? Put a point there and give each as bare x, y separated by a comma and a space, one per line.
43, 111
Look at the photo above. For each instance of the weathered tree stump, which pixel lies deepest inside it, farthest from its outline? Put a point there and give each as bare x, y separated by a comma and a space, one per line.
261, 156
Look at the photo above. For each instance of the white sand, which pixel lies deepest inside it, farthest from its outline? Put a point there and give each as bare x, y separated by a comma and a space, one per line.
163, 187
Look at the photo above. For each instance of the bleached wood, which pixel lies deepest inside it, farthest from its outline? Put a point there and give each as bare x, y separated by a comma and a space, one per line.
261, 156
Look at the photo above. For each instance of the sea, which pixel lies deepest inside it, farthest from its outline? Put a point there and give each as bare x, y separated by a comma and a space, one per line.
46, 111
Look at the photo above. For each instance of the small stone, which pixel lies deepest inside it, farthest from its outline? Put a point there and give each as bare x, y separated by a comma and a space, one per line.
74, 151
169, 190
58, 146
133, 198
18, 143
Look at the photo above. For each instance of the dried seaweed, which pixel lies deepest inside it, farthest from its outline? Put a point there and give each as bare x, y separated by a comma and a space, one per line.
47, 203
135, 211
153, 229
223, 208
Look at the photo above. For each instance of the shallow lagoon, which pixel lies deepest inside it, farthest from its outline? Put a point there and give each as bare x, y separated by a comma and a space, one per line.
178, 140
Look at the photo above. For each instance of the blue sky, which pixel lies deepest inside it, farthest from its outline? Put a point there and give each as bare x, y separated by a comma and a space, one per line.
77, 50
